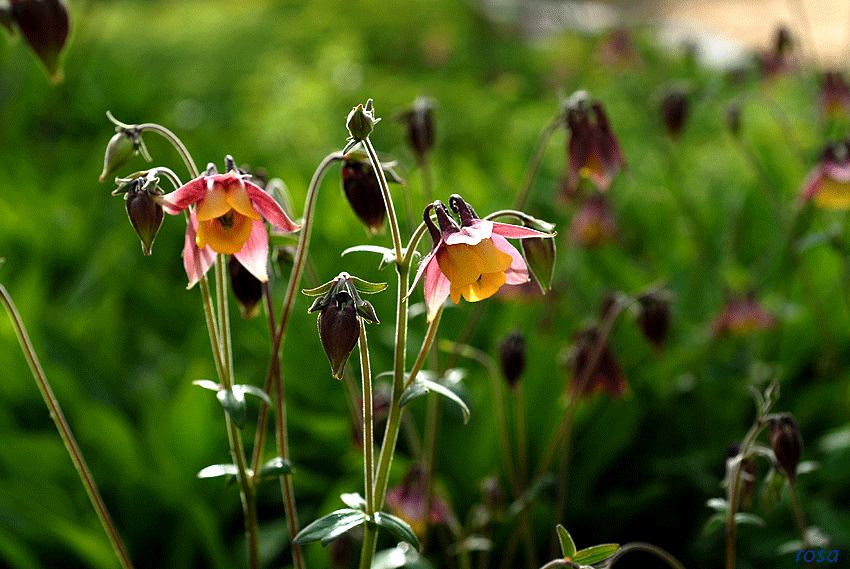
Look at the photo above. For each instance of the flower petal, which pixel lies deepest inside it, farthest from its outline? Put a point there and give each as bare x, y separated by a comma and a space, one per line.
196, 261
255, 253
485, 287
436, 287
225, 239
237, 198
214, 203
270, 209
470, 234
517, 231
183, 197
517, 273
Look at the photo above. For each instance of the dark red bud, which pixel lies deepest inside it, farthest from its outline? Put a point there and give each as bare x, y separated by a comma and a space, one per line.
339, 330
45, 25
512, 357
787, 444
247, 289
364, 194
145, 213
654, 318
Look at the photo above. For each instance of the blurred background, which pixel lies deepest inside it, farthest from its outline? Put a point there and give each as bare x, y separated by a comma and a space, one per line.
709, 211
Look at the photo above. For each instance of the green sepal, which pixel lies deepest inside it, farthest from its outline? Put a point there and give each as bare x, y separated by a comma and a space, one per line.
319, 290
214, 470
595, 553
422, 386
568, 546
397, 527
234, 405
365, 286
275, 467
253, 390
207, 384
367, 311
329, 527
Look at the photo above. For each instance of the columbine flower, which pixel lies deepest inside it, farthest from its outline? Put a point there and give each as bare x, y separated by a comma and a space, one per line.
834, 96
407, 501
742, 316
228, 219
593, 150
472, 260
828, 184
607, 375
594, 223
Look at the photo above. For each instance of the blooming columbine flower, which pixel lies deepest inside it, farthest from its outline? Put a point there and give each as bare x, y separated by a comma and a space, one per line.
593, 150
472, 259
828, 184
228, 219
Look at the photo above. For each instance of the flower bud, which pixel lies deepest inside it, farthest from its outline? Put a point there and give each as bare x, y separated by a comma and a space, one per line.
45, 25
247, 289
361, 121
674, 111
606, 374
120, 149
787, 444
144, 210
654, 318
364, 193
512, 357
420, 126
733, 119
540, 255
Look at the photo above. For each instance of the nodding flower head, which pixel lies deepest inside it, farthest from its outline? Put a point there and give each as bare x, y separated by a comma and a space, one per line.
593, 149
828, 184
228, 219
472, 259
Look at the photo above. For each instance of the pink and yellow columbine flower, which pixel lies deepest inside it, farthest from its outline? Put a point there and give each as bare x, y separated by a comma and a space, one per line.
471, 260
828, 184
227, 219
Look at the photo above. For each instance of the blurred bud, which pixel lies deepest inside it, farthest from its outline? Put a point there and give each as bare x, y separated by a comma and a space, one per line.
733, 119
787, 444
407, 501
45, 25
743, 315
593, 149
120, 149
593, 224
780, 59
344, 551
749, 474
247, 289
674, 110
361, 121
828, 183
654, 317
605, 375
512, 357
834, 97
420, 126
617, 49
363, 191
144, 210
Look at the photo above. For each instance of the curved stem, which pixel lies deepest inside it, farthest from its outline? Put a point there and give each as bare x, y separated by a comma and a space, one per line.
799, 517
423, 351
176, 142
734, 492
65, 431
388, 200
648, 548
525, 189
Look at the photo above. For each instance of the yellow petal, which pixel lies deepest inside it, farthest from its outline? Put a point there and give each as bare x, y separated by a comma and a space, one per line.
222, 239
464, 264
485, 287
213, 205
237, 197
833, 194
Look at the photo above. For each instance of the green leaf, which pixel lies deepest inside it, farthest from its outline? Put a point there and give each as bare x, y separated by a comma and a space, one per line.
747, 518
596, 553
718, 504
568, 546
422, 386
330, 527
398, 527
218, 470
275, 467
234, 405
713, 523
365, 286
353, 500
253, 390
207, 384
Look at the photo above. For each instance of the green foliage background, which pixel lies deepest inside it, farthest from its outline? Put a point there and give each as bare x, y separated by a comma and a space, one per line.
271, 83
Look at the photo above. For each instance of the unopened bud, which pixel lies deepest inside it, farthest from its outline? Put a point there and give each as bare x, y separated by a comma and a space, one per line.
45, 25
361, 121
120, 149
787, 444
540, 256
654, 318
674, 111
247, 289
512, 357
145, 211
420, 126
364, 194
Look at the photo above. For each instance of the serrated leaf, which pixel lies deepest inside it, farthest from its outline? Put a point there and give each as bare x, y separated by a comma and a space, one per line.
252, 390
353, 500
275, 467
747, 518
330, 527
207, 384
568, 546
422, 386
713, 523
218, 470
397, 527
596, 553
234, 405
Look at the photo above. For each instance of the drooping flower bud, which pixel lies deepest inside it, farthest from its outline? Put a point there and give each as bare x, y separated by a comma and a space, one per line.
606, 374
654, 317
420, 126
144, 210
45, 25
247, 289
120, 149
787, 444
363, 191
361, 121
743, 315
512, 357
674, 110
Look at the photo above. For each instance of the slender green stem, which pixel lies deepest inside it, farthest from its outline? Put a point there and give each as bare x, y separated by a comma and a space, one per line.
799, 517
734, 492
176, 142
225, 346
368, 425
534, 165
648, 548
388, 200
423, 351
65, 431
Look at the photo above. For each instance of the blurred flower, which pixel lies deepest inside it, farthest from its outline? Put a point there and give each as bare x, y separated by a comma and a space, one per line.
617, 49
787, 444
45, 25
781, 58
227, 219
144, 210
247, 289
654, 317
472, 260
420, 126
750, 472
834, 96
733, 119
593, 150
828, 184
594, 223
361, 187
606, 375
674, 110
743, 315
512, 357
340, 309
407, 501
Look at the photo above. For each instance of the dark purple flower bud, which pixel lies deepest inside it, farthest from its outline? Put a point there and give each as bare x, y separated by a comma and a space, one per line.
787, 444
364, 193
339, 330
45, 25
512, 357
593, 149
144, 210
606, 374
654, 318
674, 111
420, 126
247, 289
733, 119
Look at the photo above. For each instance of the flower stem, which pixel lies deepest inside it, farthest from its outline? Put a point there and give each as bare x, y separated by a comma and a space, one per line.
65, 431
648, 548
735, 491
388, 200
533, 166
368, 425
176, 142
799, 517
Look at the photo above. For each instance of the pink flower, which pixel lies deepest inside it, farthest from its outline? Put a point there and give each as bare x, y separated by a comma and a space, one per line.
472, 260
227, 219
828, 184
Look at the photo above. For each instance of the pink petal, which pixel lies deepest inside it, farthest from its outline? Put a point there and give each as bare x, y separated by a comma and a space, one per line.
180, 199
196, 261
255, 253
517, 273
270, 209
472, 234
838, 172
812, 183
517, 231
437, 287
422, 266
